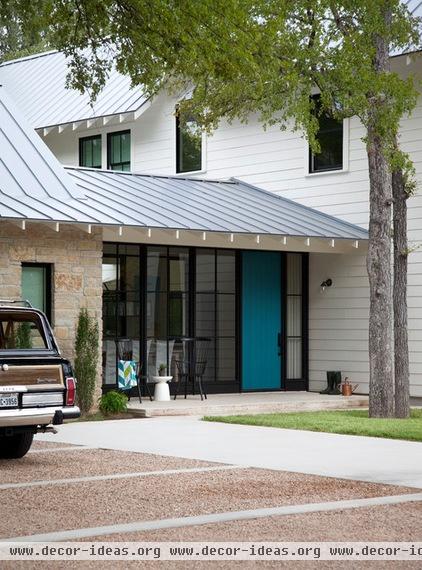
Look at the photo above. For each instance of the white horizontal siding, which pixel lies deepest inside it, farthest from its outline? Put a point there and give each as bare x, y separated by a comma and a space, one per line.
276, 160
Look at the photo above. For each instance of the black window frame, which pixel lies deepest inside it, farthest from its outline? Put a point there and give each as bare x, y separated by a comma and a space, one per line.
82, 140
115, 250
48, 287
179, 161
126, 162
324, 130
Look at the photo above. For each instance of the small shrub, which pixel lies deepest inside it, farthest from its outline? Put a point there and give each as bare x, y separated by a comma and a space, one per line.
113, 403
23, 336
86, 359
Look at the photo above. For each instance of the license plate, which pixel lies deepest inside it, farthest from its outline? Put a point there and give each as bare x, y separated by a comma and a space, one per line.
8, 400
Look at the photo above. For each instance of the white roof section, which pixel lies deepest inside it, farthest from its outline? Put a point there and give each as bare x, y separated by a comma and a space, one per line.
28, 170
164, 202
38, 86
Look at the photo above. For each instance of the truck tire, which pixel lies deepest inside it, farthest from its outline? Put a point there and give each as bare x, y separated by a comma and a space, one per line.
15, 446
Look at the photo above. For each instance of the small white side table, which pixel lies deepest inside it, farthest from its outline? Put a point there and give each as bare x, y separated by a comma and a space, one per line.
161, 389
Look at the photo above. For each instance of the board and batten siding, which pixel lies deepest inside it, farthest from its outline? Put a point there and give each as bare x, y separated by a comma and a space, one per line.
277, 160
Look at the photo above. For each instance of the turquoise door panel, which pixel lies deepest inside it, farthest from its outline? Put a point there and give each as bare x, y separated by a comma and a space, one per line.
261, 320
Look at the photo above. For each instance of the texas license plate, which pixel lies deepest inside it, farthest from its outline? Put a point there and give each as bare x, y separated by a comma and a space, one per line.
8, 400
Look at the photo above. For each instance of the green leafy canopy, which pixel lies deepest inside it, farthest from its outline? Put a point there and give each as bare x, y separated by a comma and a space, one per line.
239, 57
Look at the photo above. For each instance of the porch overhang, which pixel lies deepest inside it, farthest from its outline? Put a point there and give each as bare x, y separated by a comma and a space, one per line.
171, 210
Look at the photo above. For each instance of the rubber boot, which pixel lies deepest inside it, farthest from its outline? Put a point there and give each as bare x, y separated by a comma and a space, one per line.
329, 388
336, 376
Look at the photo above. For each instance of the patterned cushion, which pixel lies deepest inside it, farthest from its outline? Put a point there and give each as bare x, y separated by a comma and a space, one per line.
126, 374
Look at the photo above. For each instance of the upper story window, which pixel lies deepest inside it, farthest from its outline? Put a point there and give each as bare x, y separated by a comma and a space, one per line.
118, 151
188, 144
330, 138
90, 151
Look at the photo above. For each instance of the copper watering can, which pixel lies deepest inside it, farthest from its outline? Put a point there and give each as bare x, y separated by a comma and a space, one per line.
347, 388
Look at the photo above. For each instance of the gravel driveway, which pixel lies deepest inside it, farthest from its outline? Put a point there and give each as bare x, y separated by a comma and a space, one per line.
59, 487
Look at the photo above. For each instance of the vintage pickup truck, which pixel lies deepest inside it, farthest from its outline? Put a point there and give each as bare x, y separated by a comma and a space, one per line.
37, 386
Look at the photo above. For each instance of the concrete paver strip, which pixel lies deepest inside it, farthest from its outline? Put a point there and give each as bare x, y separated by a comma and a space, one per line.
350, 457
63, 448
59, 536
400, 522
49, 443
125, 476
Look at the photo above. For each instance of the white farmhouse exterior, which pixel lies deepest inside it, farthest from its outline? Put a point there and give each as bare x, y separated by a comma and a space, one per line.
274, 160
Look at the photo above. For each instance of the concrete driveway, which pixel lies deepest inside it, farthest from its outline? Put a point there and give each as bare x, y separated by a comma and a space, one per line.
351, 457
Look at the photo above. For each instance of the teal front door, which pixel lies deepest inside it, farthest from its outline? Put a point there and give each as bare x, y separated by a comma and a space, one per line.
261, 320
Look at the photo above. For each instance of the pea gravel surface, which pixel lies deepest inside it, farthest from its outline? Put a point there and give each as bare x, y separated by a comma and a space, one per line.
34, 510
87, 462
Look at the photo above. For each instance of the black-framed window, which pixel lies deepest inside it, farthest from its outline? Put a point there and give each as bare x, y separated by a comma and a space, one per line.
36, 286
158, 296
295, 321
90, 151
118, 151
188, 144
330, 138
122, 303
216, 311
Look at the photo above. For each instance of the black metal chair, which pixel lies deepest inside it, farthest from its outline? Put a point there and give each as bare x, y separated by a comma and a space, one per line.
191, 368
124, 351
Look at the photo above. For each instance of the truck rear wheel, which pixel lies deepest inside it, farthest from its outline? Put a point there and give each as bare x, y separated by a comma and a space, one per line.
15, 446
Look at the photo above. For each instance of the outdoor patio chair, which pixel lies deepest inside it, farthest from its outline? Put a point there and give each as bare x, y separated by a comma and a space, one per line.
129, 370
191, 368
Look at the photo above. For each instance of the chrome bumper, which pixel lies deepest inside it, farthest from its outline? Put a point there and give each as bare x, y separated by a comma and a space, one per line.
36, 416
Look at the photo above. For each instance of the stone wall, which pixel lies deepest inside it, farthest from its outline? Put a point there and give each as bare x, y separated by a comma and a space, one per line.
75, 257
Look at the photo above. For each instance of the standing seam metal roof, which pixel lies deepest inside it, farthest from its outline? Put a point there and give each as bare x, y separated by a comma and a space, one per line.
38, 86
28, 169
125, 199
34, 186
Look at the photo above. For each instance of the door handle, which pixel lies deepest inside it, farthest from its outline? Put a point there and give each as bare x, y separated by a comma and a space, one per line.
279, 343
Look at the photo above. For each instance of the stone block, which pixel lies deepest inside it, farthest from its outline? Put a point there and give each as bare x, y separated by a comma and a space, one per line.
68, 282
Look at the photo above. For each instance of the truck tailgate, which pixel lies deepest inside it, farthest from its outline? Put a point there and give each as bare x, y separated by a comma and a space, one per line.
37, 376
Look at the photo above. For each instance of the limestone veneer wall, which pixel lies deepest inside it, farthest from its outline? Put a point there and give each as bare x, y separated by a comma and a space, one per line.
75, 257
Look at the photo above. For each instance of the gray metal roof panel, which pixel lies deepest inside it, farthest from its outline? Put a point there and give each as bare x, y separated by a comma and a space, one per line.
27, 168
38, 85
207, 205
34, 186
117, 198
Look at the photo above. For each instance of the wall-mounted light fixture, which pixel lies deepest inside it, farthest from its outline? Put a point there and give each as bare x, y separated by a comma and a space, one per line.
325, 284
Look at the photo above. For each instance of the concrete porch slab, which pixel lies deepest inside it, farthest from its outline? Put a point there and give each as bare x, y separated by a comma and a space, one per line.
245, 403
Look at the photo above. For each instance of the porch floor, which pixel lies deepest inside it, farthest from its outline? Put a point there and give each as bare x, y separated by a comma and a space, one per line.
245, 403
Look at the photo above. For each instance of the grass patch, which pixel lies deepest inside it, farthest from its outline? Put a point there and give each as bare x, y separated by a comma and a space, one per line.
350, 422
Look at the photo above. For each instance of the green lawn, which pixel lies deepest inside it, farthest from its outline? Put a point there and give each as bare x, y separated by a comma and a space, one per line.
352, 422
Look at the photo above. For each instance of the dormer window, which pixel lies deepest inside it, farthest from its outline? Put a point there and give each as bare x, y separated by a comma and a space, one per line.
330, 138
90, 151
188, 144
118, 151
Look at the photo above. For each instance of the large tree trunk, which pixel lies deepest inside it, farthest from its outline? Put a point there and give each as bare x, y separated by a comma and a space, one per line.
381, 381
401, 348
